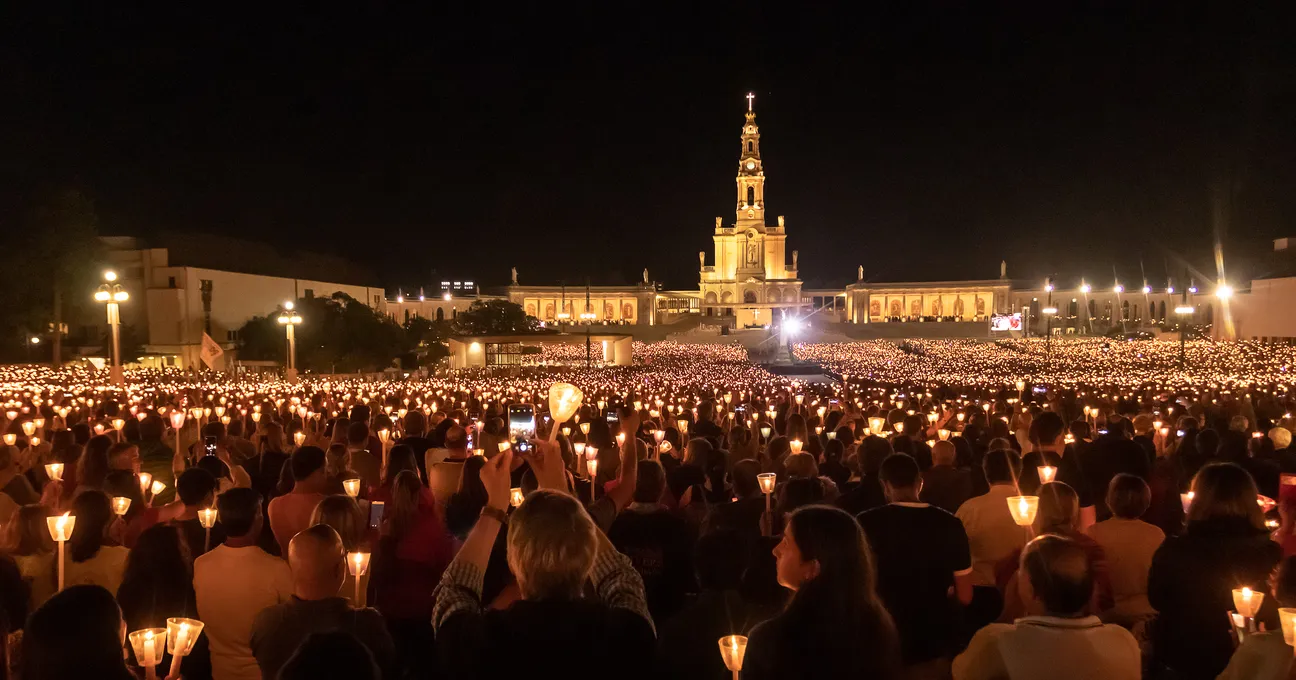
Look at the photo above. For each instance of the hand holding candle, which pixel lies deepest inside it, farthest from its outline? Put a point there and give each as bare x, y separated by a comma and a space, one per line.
148, 645
357, 564
1047, 473
181, 636
1023, 509
54, 471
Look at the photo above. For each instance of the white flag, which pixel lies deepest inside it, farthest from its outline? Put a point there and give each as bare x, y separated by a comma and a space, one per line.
211, 352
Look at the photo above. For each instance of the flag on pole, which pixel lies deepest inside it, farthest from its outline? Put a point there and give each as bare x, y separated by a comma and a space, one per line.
211, 352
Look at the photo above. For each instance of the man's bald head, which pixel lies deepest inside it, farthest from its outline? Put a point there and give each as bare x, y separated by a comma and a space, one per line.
943, 453
318, 563
1059, 574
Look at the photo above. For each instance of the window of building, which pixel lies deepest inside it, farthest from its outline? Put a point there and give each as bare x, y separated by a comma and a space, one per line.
503, 354
171, 282
310, 293
231, 336
751, 195
440, 314
749, 147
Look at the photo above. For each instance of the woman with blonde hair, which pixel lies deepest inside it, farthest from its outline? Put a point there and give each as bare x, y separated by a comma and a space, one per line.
1224, 546
27, 541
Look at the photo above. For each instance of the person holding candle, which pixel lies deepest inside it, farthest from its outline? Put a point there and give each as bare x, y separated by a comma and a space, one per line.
992, 534
291, 512
834, 626
196, 489
344, 515
922, 555
743, 514
554, 547
1048, 440
366, 461
444, 475
158, 584
868, 493
13, 483
1265, 655
156, 456
234, 581
1224, 546
1056, 638
77, 633
331, 654
319, 568
92, 557
945, 485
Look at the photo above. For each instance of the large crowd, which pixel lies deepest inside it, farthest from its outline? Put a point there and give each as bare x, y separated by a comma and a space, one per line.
940, 510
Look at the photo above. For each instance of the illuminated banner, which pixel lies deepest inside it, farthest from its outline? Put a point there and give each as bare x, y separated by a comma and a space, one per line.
1006, 322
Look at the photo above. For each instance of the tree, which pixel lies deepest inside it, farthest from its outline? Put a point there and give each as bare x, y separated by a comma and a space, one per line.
495, 317
337, 334
53, 265
427, 338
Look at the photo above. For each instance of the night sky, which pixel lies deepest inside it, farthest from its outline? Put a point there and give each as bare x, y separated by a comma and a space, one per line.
926, 141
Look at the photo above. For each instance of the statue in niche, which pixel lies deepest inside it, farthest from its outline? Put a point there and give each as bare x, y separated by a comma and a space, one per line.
530, 309
753, 253
549, 310
980, 306
897, 309
719, 223
875, 308
795, 254
915, 309
938, 308
958, 307
702, 259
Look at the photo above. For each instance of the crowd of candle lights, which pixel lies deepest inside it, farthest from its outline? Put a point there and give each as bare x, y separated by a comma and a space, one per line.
947, 382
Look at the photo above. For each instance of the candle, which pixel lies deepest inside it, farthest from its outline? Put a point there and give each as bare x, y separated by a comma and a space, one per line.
765, 431
1047, 473
584, 428
157, 487
515, 496
351, 486
148, 644
358, 564
299, 438
121, 504
54, 471
60, 528
795, 445
146, 481
503, 446
181, 636
1287, 617
1023, 509
732, 650
591, 466
207, 518
1247, 601
1186, 500
943, 434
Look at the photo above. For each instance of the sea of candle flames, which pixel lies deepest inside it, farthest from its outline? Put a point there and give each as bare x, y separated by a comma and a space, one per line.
669, 379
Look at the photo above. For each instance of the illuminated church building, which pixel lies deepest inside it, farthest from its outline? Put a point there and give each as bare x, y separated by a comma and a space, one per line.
750, 283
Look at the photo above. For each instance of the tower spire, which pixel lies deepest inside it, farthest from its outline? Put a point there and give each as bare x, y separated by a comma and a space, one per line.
750, 210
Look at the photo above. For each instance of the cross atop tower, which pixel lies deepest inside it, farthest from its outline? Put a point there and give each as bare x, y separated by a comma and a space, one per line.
750, 97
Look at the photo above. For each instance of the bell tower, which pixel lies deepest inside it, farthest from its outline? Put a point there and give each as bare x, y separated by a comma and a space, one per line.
750, 210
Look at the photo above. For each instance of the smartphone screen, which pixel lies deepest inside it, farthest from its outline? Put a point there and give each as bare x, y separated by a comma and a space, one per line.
613, 417
521, 421
376, 513
209, 443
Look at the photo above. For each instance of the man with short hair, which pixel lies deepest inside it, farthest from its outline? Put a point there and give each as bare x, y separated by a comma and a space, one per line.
657, 542
706, 426
197, 490
992, 534
944, 485
744, 513
922, 553
1048, 439
444, 474
367, 463
234, 582
1056, 640
319, 568
290, 513
414, 428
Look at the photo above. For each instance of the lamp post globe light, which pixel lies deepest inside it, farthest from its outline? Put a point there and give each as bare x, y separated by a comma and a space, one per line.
289, 319
111, 295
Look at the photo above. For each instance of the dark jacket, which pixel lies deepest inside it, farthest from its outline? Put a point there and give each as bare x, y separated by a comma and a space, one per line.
1191, 586
279, 630
946, 487
686, 647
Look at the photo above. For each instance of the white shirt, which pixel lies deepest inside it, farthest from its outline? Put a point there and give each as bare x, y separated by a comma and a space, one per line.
1037, 647
992, 533
105, 569
233, 585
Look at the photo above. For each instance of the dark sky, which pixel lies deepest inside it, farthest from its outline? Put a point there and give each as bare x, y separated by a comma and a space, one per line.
922, 140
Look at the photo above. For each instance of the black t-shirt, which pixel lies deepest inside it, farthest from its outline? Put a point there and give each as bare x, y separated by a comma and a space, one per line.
659, 545
918, 549
1069, 472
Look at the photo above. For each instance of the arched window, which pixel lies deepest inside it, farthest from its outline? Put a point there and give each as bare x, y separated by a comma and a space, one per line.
749, 147
1125, 310
749, 297
1210, 314
751, 195
1161, 313
1093, 308
1073, 314
440, 314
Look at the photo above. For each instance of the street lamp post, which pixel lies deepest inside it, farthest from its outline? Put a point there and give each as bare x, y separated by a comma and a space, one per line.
1084, 290
111, 294
587, 317
290, 319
